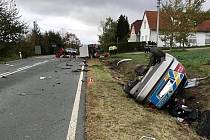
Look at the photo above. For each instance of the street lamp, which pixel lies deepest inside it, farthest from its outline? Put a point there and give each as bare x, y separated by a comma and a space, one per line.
158, 19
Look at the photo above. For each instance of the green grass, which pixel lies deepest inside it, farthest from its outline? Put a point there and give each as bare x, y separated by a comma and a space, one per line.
9, 58
137, 58
193, 60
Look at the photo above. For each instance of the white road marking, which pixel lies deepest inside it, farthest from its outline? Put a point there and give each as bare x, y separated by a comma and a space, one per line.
22, 68
74, 116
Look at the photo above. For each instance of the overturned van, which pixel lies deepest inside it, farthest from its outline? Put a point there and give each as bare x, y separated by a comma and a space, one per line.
160, 83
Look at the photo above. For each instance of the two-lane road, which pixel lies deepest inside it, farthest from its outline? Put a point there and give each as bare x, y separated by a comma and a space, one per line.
37, 98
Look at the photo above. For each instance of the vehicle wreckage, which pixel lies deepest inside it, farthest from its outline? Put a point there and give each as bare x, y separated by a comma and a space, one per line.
163, 78
159, 84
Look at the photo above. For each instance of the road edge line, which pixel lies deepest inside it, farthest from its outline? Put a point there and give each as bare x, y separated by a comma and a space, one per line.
74, 116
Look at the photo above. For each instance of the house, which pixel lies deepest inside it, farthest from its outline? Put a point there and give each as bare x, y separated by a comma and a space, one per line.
135, 31
202, 35
148, 31
149, 27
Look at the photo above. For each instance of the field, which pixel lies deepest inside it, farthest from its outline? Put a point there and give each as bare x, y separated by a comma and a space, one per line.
111, 114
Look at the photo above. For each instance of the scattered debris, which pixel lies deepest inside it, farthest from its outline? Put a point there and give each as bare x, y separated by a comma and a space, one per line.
58, 83
123, 60
66, 68
147, 138
68, 64
180, 120
42, 78
22, 94
195, 82
75, 71
85, 63
3, 76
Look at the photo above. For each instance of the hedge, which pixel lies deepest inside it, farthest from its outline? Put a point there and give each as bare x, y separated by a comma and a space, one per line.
130, 47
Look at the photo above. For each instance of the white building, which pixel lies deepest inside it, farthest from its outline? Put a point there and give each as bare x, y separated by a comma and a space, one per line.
148, 31
135, 31
202, 35
149, 27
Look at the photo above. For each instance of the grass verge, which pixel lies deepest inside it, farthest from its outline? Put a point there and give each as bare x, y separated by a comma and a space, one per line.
7, 59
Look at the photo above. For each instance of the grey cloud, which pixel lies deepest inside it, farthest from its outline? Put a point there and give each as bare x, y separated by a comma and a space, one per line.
88, 10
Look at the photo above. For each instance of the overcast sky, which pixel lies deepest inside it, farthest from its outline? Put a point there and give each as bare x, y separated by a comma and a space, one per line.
81, 17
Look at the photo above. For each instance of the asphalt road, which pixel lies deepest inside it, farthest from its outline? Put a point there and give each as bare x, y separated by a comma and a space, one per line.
37, 97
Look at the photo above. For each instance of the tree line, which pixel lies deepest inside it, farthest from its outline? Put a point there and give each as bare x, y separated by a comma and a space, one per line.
15, 35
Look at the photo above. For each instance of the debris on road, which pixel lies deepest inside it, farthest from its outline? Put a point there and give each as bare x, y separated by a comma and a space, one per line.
42, 78
76, 70
66, 68
22, 94
3, 76
68, 64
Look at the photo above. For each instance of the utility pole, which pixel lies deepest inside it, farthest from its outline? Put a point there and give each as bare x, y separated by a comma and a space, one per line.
35, 32
158, 20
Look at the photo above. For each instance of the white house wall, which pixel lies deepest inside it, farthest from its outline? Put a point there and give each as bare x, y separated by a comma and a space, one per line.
200, 37
145, 32
133, 36
149, 35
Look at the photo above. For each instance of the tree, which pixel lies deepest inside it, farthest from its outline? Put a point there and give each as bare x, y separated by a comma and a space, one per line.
12, 29
181, 18
108, 36
50, 39
190, 17
122, 29
71, 41
170, 13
